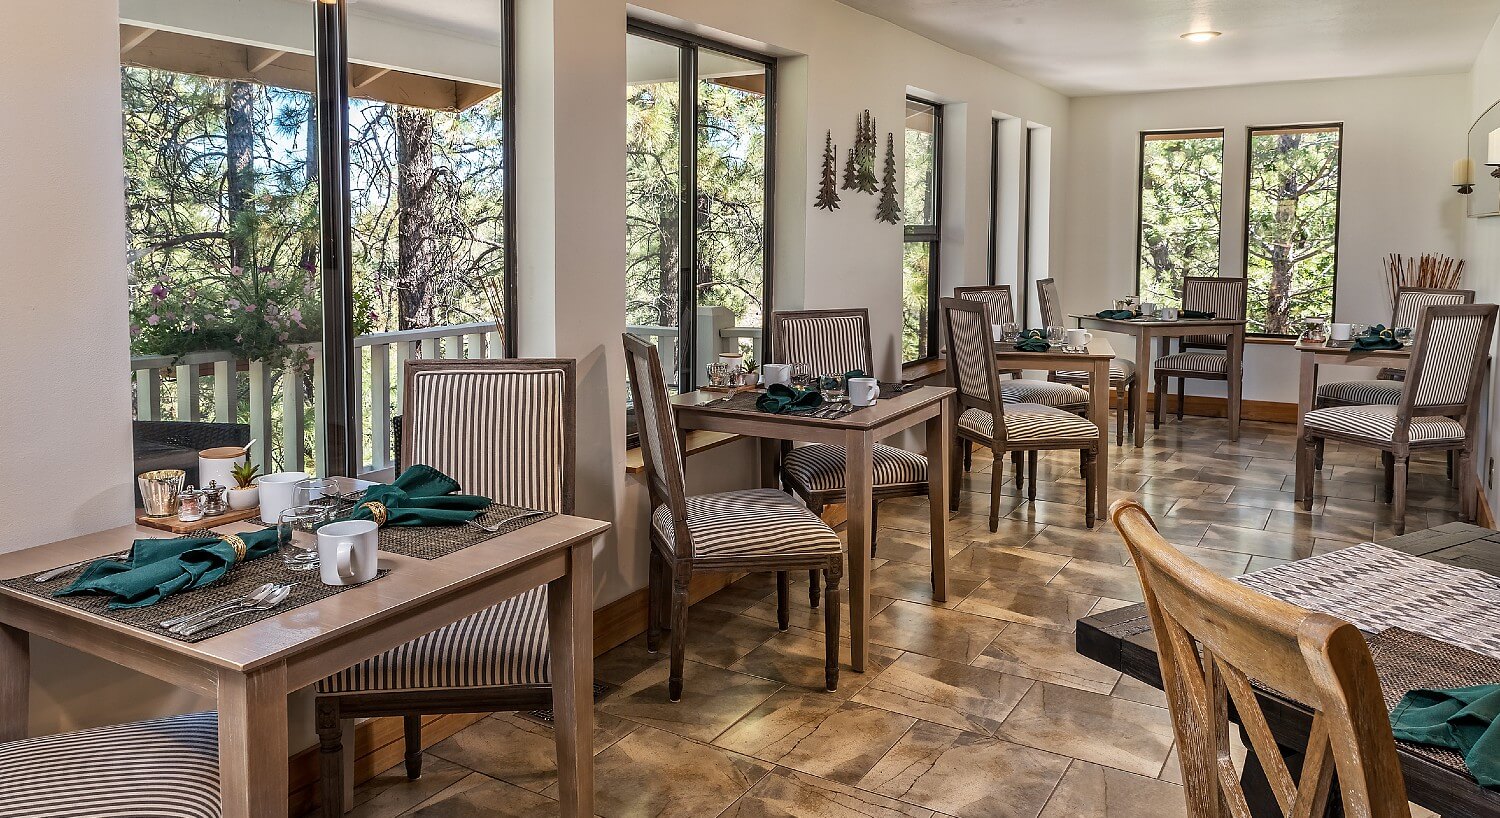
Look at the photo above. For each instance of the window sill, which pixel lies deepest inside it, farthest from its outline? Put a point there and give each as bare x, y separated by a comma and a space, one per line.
1275, 342
917, 370
697, 441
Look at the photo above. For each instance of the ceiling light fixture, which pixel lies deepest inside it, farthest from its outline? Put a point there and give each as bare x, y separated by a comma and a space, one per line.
1201, 36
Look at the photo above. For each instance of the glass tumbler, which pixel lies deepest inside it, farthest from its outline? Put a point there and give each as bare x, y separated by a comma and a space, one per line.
296, 535
1054, 335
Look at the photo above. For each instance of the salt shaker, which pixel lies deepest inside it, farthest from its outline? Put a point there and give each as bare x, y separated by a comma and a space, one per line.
189, 505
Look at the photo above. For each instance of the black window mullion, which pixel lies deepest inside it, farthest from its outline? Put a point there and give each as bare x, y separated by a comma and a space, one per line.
343, 450
687, 275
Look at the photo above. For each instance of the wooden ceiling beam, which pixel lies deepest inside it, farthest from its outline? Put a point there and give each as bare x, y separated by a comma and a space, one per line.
132, 36
362, 75
257, 59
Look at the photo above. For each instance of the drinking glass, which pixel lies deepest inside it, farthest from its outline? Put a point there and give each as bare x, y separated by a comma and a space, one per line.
718, 374
1403, 334
1356, 330
296, 535
1055, 335
834, 388
1009, 331
315, 491
801, 376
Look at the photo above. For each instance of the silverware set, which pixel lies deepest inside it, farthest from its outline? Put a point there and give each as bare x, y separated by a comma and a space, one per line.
495, 529
263, 598
48, 576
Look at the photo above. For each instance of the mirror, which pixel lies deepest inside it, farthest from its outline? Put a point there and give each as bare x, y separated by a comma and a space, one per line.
1485, 200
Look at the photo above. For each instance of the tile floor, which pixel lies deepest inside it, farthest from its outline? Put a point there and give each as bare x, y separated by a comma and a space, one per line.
975, 707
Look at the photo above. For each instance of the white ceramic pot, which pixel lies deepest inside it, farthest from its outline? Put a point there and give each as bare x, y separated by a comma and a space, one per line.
241, 499
214, 465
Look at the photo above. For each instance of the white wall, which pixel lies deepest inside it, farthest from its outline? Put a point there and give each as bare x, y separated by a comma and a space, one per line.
1482, 236
1401, 136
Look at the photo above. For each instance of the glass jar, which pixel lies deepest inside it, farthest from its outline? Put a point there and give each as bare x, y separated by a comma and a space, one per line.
189, 505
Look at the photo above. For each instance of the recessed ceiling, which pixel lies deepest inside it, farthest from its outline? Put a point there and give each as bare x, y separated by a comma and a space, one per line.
478, 19
1087, 47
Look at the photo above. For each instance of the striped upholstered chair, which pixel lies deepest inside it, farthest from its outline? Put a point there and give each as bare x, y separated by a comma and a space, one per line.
1002, 308
1121, 371
986, 420
1438, 409
504, 429
729, 532
1410, 302
164, 767
1205, 357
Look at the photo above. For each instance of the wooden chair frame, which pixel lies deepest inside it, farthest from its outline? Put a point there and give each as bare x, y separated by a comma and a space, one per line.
1183, 345
998, 444
1213, 636
673, 563
959, 292
1052, 316
334, 709
1396, 454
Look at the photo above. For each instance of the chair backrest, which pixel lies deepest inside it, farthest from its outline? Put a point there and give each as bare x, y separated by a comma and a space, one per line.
1410, 301
1224, 297
1447, 363
503, 428
1317, 660
997, 296
971, 358
830, 342
1052, 311
658, 435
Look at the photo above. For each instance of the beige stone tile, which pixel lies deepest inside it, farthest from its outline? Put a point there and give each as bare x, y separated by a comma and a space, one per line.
1223, 563
961, 696
1098, 579
715, 637
1094, 727
906, 546
1049, 513
1107, 604
1324, 526
1207, 511
913, 583
959, 773
771, 730
1091, 791
1010, 533
801, 614
1047, 655
1269, 498
391, 793
1036, 605
1277, 544
519, 750
653, 772
1262, 563
736, 598
478, 796
934, 632
1103, 544
1183, 488
847, 743
790, 794
1135, 690
712, 699
1008, 565
624, 662
797, 658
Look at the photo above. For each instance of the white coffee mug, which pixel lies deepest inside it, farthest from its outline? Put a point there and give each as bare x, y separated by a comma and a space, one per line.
1169, 314
1079, 338
775, 373
276, 493
863, 391
1148, 308
347, 552
999, 331
1340, 332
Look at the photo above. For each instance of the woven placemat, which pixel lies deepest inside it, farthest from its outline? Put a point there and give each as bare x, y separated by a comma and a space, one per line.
239, 581
429, 542
1407, 661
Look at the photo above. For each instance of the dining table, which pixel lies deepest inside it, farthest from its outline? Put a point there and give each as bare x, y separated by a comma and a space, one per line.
1145, 329
250, 670
857, 431
1122, 640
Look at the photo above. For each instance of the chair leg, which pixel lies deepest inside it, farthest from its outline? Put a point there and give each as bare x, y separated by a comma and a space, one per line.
1031, 475
1130, 409
679, 636
1161, 389
1450, 468
1090, 471
1399, 502
656, 578
874, 526
1181, 396
1306, 452
412, 727
1388, 460
330, 758
1468, 486
968, 455
783, 591
1319, 461
812, 576
1122, 405
1017, 459
831, 629
996, 479
955, 473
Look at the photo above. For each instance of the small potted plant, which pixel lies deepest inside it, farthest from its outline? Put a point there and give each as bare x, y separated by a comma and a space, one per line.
245, 493
749, 377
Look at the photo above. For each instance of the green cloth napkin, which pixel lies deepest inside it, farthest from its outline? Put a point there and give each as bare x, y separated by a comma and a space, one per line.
1032, 340
156, 569
422, 495
780, 398
1196, 313
1377, 337
1464, 719
1115, 315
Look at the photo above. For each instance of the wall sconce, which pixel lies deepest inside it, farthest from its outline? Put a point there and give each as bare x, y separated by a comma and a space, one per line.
1463, 176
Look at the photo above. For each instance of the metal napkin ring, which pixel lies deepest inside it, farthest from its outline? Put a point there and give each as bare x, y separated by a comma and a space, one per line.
377, 511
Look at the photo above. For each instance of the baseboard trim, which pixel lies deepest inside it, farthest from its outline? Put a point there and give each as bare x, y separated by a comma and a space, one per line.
1214, 407
1484, 515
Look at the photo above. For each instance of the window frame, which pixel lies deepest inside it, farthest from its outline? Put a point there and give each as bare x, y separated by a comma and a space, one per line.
1338, 217
1140, 184
929, 234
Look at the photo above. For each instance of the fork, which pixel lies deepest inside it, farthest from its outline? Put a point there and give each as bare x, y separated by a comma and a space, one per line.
254, 596
495, 529
267, 604
48, 576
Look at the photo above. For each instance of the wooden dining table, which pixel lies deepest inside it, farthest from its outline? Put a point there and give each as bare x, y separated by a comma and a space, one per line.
1145, 330
857, 432
250, 670
1122, 639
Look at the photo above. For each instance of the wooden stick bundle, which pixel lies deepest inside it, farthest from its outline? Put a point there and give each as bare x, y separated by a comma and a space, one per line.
1431, 270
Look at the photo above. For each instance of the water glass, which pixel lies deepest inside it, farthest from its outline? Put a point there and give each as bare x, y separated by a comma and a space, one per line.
1010, 331
1055, 335
1359, 329
1403, 334
296, 535
315, 491
801, 376
718, 374
834, 388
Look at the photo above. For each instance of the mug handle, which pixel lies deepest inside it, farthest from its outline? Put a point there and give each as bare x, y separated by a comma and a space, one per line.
1088, 337
346, 559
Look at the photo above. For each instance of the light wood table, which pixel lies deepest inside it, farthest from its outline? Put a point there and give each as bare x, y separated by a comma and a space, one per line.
251, 669
1314, 354
1145, 330
1095, 362
857, 432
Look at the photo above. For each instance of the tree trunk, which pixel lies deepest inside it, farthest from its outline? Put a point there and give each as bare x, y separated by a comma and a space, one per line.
416, 219
308, 258
1279, 293
239, 151
668, 299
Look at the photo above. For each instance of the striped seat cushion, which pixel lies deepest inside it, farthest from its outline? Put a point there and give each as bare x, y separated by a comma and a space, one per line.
1031, 423
1047, 393
1362, 392
1379, 423
1120, 371
1216, 363
820, 467
165, 768
499, 646
755, 523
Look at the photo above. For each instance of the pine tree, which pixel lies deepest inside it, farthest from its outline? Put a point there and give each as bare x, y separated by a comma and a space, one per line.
865, 154
889, 209
828, 191
851, 173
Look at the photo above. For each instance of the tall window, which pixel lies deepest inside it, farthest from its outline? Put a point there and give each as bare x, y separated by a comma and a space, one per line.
1181, 178
1292, 225
227, 235
697, 198
923, 212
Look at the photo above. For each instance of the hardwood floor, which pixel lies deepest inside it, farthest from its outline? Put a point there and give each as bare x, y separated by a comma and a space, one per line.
979, 707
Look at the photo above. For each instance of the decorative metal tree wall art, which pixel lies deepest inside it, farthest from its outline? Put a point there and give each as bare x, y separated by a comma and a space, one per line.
828, 190
865, 145
889, 208
851, 173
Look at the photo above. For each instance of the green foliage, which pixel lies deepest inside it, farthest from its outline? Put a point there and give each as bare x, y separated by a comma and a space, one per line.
918, 182
1293, 228
1180, 196
916, 266
244, 473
